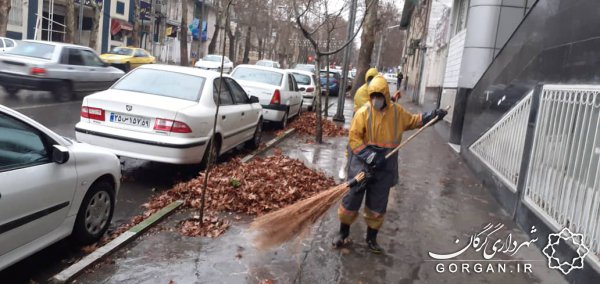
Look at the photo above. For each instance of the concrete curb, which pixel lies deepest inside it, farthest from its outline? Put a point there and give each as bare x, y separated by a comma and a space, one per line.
78, 267
269, 144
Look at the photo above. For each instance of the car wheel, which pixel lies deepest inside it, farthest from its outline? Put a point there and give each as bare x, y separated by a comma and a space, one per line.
95, 213
12, 92
312, 106
284, 120
63, 92
255, 142
215, 153
127, 67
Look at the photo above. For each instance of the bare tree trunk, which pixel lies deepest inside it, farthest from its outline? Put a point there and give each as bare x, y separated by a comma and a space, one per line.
366, 47
327, 84
248, 45
260, 48
213, 41
318, 112
183, 34
137, 29
70, 21
232, 41
97, 12
5, 6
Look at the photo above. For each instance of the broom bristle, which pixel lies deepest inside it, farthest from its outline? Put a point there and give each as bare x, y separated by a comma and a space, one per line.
291, 221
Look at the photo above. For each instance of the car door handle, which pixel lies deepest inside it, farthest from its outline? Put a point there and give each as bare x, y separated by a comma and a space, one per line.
70, 68
243, 114
223, 117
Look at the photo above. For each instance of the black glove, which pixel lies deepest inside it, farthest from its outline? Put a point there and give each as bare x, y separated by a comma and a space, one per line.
373, 157
428, 116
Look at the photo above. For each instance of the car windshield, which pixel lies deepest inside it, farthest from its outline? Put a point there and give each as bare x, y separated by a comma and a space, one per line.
305, 67
302, 79
121, 51
160, 83
33, 49
265, 63
258, 75
215, 58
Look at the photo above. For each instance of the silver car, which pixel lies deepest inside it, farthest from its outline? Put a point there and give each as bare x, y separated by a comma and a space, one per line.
63, 69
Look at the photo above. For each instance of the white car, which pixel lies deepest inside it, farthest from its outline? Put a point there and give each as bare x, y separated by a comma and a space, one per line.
391, 78
7, 44
276, 89
306, 83
50, 187
166, 113
268, 63
213, 62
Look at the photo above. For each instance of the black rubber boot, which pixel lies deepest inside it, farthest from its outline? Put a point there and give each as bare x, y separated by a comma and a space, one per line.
372, 241
342, 236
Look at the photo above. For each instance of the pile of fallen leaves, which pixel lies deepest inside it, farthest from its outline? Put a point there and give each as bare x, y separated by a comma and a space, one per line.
254, 188
306, 124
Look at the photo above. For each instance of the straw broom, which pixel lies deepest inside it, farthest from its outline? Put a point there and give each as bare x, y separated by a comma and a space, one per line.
294, 220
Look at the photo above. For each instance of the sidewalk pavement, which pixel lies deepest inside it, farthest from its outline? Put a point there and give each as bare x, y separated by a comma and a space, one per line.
437, 201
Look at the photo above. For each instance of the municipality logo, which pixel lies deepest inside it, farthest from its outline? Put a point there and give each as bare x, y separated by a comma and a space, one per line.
565, 265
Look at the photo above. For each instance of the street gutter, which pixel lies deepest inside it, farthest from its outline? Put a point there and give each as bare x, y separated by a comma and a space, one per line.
128, 236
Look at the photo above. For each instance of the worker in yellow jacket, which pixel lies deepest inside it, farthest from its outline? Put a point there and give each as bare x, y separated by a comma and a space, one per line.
362, 97
376, 129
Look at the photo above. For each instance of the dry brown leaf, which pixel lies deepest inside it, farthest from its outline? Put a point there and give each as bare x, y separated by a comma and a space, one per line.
306, 124
267, 281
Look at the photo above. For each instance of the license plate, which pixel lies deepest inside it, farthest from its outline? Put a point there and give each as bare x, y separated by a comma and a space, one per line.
129, 120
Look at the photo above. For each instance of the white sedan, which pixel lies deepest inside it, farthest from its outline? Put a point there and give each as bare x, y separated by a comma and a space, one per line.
306, 83
50, 187
166, 114
276, 89
213, 62
391, 78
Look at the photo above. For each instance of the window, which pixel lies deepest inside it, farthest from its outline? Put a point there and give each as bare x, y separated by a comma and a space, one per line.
1, 43
33, 49
91, 59
140, 53
462, 15
160, 83
15, 15
302, 79
238, 93
72, 56
258, 75
120, 8
225, 95
9, 43
20, 145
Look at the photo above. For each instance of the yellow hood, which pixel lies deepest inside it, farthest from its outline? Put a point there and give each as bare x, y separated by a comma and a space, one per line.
372, 72
380, 85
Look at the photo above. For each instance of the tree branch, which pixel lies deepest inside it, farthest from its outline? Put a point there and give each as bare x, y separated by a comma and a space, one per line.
330, 52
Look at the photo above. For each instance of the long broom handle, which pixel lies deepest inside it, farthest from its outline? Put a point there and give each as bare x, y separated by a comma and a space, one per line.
361, 175
434, 120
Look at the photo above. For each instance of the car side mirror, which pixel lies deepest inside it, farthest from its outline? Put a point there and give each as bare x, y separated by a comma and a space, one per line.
60, 154
302, 89
253, 99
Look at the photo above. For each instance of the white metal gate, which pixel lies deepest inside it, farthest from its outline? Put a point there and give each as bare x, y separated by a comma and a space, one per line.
563, 180
501, 147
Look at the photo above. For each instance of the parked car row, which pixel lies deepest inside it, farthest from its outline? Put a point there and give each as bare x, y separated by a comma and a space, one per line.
153, 112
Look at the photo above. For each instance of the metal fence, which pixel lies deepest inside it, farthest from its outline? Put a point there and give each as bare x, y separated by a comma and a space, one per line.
501, 147
563, 179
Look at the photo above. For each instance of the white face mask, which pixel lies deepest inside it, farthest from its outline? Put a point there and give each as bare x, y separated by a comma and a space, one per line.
378, 103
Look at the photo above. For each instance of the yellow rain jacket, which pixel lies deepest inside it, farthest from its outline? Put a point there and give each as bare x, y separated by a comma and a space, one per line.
380, 128
362, 95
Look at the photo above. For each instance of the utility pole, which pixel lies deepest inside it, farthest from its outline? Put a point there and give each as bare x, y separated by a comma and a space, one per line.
379, 49
80, 21
339, 115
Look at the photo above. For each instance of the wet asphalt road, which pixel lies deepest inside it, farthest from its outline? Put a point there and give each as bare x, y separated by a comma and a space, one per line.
141, 180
